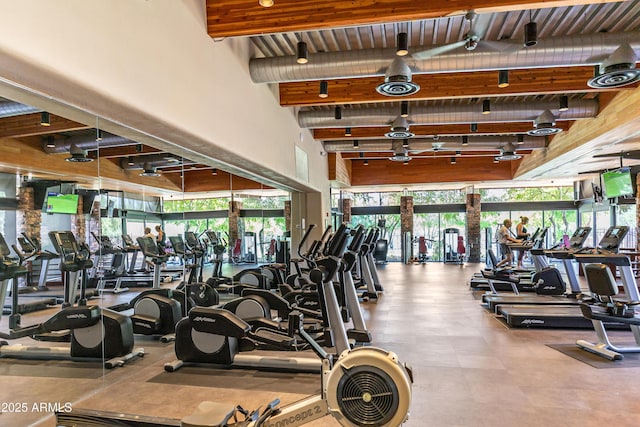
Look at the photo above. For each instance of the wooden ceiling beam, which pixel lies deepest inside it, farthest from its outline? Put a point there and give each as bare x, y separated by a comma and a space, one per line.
537, 81
29, 125
232, 18
332, 134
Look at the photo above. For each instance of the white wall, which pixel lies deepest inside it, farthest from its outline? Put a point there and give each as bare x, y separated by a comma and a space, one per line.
150, 72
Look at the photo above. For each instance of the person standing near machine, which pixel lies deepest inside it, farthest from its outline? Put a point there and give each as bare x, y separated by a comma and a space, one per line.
522, 234
148, 264
160, 241
503, 236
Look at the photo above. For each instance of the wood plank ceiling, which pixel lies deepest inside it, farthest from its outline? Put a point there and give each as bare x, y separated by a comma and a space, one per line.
345, 42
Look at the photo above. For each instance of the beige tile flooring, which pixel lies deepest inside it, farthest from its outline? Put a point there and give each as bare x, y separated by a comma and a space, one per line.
470, 370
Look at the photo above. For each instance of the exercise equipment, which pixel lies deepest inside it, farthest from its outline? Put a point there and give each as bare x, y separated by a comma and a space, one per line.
94, 333
366, 386
214, 336
19, 304
569, 315
606, 308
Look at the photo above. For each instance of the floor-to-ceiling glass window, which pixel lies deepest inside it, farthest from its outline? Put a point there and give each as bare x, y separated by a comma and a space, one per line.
626, 215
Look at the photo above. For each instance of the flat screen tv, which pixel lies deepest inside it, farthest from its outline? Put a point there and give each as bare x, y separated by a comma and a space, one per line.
617, 183
62, 203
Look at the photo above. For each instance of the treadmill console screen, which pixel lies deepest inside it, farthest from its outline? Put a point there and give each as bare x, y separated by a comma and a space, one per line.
177, 244
191, 238
4, 248
613, 237
128, 241
148, 246
579, 236
26, 245
212, 236
65, 244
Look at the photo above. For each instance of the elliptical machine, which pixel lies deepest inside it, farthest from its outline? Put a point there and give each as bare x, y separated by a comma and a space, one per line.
214, 335
94, 333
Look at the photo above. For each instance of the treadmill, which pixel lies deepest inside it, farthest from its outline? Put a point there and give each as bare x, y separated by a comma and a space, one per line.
568, 315
18, 304
576, 241
134, 277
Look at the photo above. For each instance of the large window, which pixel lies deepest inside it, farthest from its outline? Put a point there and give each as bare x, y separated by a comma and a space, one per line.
529, 194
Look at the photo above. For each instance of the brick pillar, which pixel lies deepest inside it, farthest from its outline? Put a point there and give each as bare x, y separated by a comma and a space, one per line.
92, 223
79, 225
406, 223
473, 227
234, 222
346, 210
28, 217
287, 215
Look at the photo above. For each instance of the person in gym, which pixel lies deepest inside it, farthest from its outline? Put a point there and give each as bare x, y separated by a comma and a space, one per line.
160, 238
149, 264
522, 234
504, 238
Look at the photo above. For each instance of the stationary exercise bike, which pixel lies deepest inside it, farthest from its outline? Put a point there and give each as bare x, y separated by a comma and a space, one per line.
94, 333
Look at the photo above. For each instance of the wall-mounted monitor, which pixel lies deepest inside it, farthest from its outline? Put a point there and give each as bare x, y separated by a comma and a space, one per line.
617, 183
62, 203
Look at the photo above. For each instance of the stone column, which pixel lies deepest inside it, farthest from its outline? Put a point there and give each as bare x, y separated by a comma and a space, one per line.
92, 223
473, 227
234, 222
79, 226
406, 225
28, 218
346, 210
287, 215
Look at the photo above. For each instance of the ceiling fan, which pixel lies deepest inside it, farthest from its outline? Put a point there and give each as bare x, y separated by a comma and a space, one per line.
473, 39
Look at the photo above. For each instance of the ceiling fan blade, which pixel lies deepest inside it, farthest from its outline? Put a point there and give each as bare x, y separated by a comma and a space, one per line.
480, 25
438, 50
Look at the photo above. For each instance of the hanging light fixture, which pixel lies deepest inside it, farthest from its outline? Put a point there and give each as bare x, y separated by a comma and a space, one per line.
130, 161
324, 89
406, 162
138, 148
503, 78
458, 153
496, 160
474, 127
405, 143
530, 32
465, 140
302, 53
265, 3
366, 162
453, 160
520, 139
404, 109
337, 113
214, 172
402, 44
51, 142
356, 144
347, 131
45, 119
563, 103
98, 135
486, 107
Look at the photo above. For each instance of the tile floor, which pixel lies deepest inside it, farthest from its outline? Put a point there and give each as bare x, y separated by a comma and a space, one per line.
470, 370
